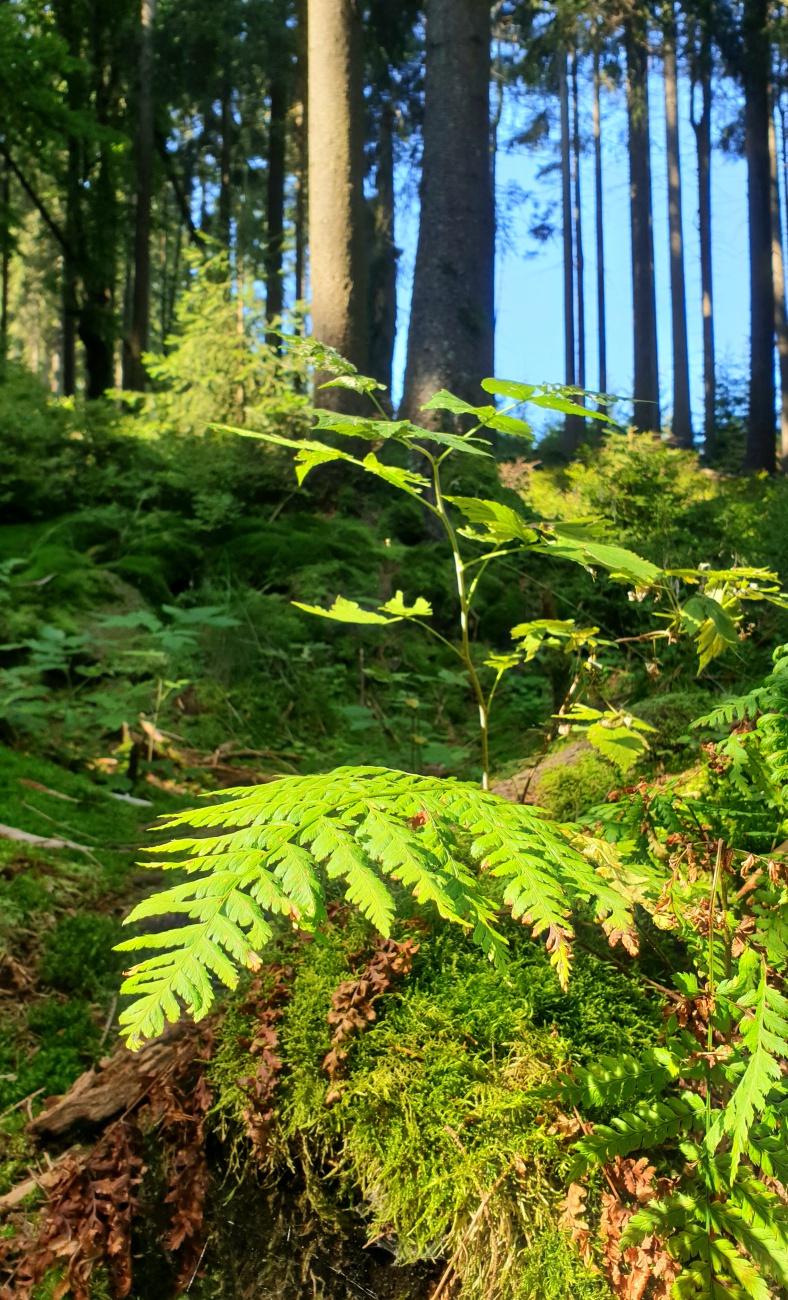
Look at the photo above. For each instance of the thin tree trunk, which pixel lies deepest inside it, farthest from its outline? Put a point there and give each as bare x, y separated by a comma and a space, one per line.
646, 413
572, 432
226, 153
302, 135
6, 261
578, 220
275, 198
761, 449
682, 410
701, 75
778, 277
600, 233
336, 186
383, 257
70, 295
139, 335
451, 336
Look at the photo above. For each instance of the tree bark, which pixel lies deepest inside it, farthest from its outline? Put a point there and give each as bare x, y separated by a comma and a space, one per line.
682, 410
139, 335
226, 153
578, 221
572, 433
383, 257
701, 75
646, 414
778, 278
70, 292
302, 134
600, 233
6, 261
275, 196
451, 335
336, 186
761, 449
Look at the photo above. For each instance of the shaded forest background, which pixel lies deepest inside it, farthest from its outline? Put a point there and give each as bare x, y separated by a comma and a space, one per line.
132, 135
198, 205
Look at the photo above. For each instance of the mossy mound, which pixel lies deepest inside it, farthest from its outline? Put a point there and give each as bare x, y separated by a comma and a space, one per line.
437, 1138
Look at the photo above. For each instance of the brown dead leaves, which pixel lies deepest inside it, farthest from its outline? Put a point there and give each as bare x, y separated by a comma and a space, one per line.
87, 1219
352, 1009
629, 1270
92, 1200
260, 1086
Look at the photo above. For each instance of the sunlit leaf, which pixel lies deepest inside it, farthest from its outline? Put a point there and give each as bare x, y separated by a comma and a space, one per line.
502, 523
345, 611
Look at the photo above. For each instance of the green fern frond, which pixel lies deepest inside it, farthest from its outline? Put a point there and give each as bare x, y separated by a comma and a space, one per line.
761, 1242
713, 1242
650, 1124
769, 1152
616, 1079
451, 845
765, 1037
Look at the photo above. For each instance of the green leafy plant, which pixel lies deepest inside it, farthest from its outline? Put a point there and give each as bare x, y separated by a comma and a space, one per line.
708, 1107
449, 845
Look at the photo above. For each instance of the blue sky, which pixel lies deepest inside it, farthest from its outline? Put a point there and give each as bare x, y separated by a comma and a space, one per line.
529, 276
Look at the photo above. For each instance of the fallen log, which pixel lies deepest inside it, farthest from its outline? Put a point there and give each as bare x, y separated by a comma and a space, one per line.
39, 841
121, 1081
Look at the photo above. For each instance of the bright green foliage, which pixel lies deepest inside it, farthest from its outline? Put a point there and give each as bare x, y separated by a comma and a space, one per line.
364, 827
213, 372
615, 733
709, 1107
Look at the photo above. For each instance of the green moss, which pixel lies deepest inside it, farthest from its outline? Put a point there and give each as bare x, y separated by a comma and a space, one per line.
78, 957
442, 1103
569, 790
59, 1042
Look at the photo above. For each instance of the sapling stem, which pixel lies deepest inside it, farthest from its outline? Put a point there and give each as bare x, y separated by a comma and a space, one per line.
465, 605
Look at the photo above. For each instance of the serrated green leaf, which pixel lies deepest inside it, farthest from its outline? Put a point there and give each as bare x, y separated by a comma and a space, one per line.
446, 401
420, 608
618, 561
355, 383
346, 611
502, 524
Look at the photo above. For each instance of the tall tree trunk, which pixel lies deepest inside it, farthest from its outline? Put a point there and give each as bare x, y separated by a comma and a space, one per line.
644, 299
226, 152
383, 257
275, 196
600, 233
302, 134
701, 75
337, 209
682, 410
6, 262
451, 335
69, 288
578, 220
573, 433
778, 278
139, 335
761, 450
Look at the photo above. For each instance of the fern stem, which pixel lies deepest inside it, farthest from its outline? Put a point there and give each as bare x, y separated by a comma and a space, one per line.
715, 881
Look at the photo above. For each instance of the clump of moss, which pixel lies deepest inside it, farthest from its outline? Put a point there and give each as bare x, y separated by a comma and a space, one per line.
78, 956
442, 1137
569, 790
